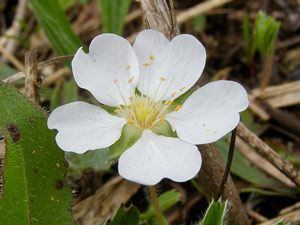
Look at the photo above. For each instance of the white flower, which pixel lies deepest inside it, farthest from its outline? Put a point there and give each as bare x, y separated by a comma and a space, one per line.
161, 71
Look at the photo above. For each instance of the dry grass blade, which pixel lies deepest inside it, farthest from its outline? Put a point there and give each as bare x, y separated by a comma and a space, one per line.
99, 207
293, 217
279, 95
41, 65
11, 58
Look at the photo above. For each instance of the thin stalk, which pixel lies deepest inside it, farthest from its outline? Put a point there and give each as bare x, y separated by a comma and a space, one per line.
156, 205
229, 161
267, 73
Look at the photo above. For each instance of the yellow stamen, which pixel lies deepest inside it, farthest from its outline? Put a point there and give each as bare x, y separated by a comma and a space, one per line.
130, 80
161, 118
173, 94
148, 64
115, 80
215, 131
178, 107
151, 57
117, 111
162, 78
128, 67
181, 89
168, 102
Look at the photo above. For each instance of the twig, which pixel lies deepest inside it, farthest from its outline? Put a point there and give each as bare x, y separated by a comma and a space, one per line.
53, 60
267, 152
15, 28
40, 65
11, 58
31, 77
229, 161
285, 119
200, 9
256, 216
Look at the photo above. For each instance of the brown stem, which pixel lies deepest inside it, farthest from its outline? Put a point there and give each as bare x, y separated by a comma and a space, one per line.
267, 73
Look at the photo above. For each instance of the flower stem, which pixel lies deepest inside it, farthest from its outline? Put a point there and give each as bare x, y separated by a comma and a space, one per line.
156, 205
267, 73
228, 164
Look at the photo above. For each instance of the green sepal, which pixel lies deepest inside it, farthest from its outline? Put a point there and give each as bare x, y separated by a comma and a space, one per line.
130, 135
110, 110
215, 214
164, 129
180, 100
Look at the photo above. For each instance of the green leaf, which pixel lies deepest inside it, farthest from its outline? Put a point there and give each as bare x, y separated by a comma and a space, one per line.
113, 14
130, 134
65, 4
56, 26
58, 30
6, 71
199, 22
125, 217
69, 91
165, 201
34, 189
241, 168
96, 160
215, 213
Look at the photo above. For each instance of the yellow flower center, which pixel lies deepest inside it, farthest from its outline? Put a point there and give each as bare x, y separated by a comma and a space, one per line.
143, 112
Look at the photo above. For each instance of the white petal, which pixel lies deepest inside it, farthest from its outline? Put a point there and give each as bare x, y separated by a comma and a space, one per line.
155, 157
210, 112
180, 62
84, 127
107, 69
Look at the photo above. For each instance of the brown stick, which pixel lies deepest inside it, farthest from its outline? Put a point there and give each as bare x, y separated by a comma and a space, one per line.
285, 119
159, 15
31, 78
209, 179
268, 153
212, 170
